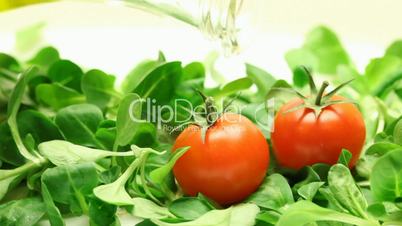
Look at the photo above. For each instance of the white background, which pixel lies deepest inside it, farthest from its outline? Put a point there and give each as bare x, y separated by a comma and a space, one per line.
114, 38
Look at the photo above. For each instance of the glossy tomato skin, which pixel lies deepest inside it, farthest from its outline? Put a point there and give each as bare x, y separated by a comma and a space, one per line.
300, 138
229, 166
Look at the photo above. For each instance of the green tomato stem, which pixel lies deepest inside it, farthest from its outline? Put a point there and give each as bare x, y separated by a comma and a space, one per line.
321, 93
209, 107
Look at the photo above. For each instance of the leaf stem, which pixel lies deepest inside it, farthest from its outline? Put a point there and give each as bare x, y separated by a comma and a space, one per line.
144, 181
320, 93
129, 171
365, 183
170, 195
115, 149
19, 170
122, 154
78, 195
12, 122
12, 111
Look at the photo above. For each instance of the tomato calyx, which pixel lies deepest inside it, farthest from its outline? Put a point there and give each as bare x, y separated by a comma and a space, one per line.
211, 114
209, 118
318, 99
211, 111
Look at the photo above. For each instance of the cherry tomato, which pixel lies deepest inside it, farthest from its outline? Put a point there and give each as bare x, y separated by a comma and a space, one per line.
228, 166
300, 138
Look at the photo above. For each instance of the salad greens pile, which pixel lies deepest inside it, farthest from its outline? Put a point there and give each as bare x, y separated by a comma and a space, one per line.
68, 146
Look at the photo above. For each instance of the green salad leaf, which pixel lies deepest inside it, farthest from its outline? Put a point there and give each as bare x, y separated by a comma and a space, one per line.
386, 177
70, 185
76, 142
58, 96
45, 57
344, 189
61, 152
98, 87
66, 73
78, 124
243, 214
304, 212
24, 212
128, 119
275, 193
159, 175
321, 51
189, 208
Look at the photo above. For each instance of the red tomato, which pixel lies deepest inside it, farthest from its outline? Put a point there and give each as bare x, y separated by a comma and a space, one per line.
300, 138
228, 166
